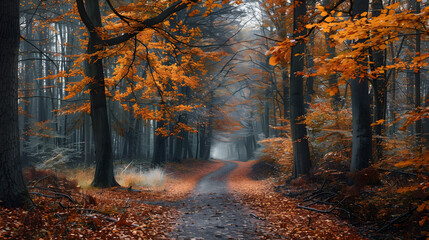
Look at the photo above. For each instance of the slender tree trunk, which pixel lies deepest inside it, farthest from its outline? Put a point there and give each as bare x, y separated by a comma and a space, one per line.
159, 159
380, 88
13, 191
410, 86
393, 103
361, 113
310, 80
104, 176
425, 124
301, 152
188, 147
286, 96
87, 127
333, 78
417, 87
134, 138
27, 90
197, 150
266, 119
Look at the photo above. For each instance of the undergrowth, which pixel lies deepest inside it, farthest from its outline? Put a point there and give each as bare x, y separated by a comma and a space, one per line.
387, 200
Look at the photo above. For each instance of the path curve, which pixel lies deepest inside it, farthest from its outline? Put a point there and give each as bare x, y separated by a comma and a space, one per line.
211, 212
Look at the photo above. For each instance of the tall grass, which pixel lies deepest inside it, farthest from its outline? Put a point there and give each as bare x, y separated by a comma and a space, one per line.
83, 176
151, 178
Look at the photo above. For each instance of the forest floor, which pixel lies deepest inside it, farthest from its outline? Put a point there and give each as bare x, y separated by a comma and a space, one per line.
200, 200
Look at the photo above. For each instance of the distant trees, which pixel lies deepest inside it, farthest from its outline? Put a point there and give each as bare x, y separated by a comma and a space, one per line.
363, 54
13, 191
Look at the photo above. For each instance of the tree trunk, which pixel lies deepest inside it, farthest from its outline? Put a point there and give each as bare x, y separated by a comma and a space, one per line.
301, 152
286, 96
158, 159
333, 78
425, 131
134, 138
104, 176
380, 88
417, 82
361, 113
310, 80
87, 127
13, 192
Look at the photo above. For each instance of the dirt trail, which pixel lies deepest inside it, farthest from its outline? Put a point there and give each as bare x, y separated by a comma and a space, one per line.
212, 213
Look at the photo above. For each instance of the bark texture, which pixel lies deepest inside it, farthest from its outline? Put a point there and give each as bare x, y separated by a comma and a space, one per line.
104, 176
380, 88
13, 192
361, 113
301, 152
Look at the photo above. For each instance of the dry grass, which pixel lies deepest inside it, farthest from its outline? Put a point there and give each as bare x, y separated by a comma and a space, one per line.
174, 183
153, 178
83, 176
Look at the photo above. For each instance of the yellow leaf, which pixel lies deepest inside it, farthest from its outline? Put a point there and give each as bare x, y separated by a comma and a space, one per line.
324, 13
364, 14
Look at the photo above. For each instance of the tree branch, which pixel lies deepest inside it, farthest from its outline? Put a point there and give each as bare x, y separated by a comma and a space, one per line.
173, 8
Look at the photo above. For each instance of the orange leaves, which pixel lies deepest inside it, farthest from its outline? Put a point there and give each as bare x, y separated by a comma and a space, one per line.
413, 116
210, 5
145, 113
274, 60
41, 129
74, 108
194, 12
149, 69
280, 52
366, 32
379, 122
333, 91
416, 162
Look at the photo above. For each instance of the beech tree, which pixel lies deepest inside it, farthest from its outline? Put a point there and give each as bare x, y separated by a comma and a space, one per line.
91, 17
13, 191
362, 132
301, 152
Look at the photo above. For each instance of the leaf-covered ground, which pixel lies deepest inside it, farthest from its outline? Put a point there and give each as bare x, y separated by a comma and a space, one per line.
115, 213
122, 213
281, 214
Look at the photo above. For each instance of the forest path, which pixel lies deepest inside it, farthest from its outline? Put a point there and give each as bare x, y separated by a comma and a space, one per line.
211, 212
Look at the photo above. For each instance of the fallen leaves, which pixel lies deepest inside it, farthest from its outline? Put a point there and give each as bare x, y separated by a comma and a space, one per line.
283, 217
101, 213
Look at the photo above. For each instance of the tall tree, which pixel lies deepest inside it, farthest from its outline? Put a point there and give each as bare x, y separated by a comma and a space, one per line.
362, 132
104, 176
301, 152
13, 191
417, 81
380, 86
91, 17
